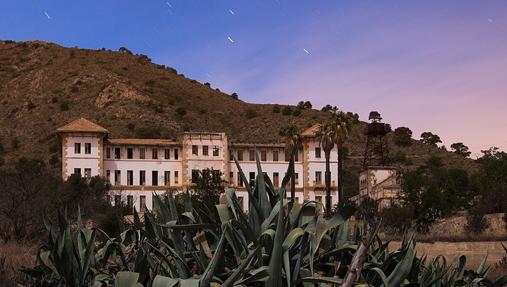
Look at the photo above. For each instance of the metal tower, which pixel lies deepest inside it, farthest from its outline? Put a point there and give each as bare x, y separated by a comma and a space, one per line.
376, 150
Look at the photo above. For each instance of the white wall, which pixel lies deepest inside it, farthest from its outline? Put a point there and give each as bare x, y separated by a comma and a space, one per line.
82, 160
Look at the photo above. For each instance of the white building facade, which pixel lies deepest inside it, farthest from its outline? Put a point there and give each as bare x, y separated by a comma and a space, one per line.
138, 168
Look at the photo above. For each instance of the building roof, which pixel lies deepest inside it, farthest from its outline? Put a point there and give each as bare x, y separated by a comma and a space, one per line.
311, 131
258, 145
157, 142
82, 125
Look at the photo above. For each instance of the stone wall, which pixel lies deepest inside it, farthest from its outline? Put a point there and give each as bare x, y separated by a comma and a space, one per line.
455, 226
474, 251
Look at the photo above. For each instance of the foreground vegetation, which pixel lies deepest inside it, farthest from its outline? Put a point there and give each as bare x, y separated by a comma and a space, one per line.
276, 244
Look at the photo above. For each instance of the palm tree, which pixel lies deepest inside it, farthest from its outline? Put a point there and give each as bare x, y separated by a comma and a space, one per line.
293, 142
344, 122
326, 135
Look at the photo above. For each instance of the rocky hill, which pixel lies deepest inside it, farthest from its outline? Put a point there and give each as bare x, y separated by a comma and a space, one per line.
43, 86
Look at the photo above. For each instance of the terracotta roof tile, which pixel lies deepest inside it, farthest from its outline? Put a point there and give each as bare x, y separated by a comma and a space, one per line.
310, 132
82, 125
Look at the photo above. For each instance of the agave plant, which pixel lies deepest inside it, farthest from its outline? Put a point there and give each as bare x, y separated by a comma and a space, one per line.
275, 244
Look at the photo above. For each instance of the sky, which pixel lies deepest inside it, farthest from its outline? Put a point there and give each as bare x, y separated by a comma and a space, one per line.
438, 66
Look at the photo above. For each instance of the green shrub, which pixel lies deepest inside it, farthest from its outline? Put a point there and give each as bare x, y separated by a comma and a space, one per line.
15, 143
476, 223
64, 106
149, 132
403, 136
287, 111
131, 126
181, 111
30, 106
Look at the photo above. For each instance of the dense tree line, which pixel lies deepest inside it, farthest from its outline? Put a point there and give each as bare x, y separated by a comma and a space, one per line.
434, 191
29, 191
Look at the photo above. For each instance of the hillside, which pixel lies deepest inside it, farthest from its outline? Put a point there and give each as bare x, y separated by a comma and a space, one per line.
43, 86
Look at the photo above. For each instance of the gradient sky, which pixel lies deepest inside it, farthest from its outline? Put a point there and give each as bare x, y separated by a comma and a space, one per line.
437, 66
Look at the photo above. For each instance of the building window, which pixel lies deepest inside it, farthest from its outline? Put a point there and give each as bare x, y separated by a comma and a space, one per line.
154, 153
130, 202
205, 150
231, 177
318, 177
252, 177
175, 177
216, 151
154, 177
251, 155
296, 156
117, 153
276, 179
88, 172
167, 178
130, 153
296, 178
195, 150
117, 177
275, 155
167, 153
88, 148
195, 175
142, 153
142, 177
240, 155
77, 171
142, 203
108, 152
175, 153
317, 152
130, 177
240, 180
264, 155
287, 155
117, 200
108, 176
77, 147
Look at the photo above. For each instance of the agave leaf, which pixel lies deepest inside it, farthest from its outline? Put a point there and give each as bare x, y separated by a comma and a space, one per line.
316, 280
126, 279
322, 227
162, 281
223, 213
190, 282
88, 257
275, 261
289, 241
260, 274
402, 269
264, 203
251, 198
482, 270
382, 276
236, 274
219, 251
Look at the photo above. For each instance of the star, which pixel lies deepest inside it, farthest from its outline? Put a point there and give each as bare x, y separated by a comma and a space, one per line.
306, 51
47, 15
490, 20
230, 39
232, 12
